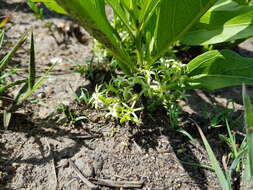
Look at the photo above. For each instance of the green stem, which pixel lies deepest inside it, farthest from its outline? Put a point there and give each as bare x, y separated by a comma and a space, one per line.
140, 57
3, 88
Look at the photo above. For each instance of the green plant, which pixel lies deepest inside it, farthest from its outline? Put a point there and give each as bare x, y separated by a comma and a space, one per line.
219, 115
29, 85
35, 7
153, 27
95, 70
126, 96
144, 31
83, 96
232, 142
241, 157
68, 114
4, 21
114, 96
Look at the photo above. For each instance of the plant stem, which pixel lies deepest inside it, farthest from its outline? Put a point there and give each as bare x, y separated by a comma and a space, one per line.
140, 60
2, 89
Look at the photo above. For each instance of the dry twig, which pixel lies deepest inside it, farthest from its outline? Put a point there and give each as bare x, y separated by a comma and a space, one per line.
87, 137
81, 176
119, 184
53, 165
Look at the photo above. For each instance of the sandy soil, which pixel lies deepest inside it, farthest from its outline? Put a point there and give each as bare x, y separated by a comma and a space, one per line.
35, 150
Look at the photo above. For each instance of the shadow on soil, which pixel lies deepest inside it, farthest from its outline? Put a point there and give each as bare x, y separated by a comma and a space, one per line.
203, 104
206, 111
146, 137
47, 128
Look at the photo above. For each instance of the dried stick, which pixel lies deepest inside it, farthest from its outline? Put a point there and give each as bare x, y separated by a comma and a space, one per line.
119, 184
87, 137
53, 165
81, 176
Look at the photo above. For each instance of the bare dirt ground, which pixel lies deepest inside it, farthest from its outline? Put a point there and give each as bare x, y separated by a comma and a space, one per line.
35, 150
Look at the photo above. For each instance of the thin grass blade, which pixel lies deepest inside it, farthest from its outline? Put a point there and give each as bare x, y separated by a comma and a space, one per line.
248, 117
36, 85
4, 21
1, 38
234, 165
184, 132
7, 118
5, 61
5, 87
197, 165
117, 8
219, 172
20, 93
232, 140
32, 65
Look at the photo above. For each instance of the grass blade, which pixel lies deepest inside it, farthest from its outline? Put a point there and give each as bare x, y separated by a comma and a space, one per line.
25, 91
1, 38
184, 132
248, 116
4, 21
215, 164
197, 165
5, 61
232, 140
7, 118
36, 85
234, 165
5, 87
32, 65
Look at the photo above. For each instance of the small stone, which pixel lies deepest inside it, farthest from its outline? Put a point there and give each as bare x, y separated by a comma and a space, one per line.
15, 165
41, 95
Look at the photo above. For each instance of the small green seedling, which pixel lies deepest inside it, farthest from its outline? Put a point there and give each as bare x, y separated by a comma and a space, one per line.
241, 157
11, 104
35, 8
69, 115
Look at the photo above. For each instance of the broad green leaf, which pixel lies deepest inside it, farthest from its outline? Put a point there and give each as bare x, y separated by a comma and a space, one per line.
226, 21
215, 164
218, 69
91, 15
245, 2
52, 5
176, 17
